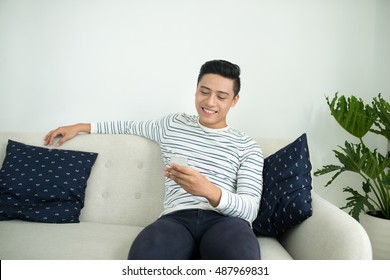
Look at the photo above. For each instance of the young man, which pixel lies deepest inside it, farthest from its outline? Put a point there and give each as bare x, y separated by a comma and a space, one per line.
213, 193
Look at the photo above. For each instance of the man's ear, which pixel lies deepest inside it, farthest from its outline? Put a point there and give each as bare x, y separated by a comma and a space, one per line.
235, 100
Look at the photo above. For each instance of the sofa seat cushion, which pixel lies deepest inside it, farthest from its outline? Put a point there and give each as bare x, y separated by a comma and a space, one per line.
85, 241
93, 241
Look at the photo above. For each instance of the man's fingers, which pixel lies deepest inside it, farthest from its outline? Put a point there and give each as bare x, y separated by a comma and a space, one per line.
175, 174
61, 140
180, 168
177, 171
49, 138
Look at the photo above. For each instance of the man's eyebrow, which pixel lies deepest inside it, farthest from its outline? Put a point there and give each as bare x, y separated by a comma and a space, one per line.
218, 91
204, 87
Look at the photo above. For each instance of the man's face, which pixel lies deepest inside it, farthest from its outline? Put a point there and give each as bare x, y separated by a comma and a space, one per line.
213, 99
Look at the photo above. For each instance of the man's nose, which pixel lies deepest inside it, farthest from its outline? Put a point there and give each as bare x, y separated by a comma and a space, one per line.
211, 100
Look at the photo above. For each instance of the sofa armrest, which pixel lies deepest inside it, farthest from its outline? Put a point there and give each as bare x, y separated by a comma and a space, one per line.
329, 233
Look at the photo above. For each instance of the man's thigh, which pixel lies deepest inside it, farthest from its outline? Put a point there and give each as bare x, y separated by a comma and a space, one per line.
231, 238
163, 239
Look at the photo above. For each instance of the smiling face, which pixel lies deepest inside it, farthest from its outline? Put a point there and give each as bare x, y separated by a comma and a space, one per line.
213, 99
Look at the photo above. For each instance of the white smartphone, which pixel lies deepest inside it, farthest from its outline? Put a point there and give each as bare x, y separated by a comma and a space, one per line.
179, 161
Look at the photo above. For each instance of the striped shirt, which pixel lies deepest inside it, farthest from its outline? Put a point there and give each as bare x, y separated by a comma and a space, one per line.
226, 157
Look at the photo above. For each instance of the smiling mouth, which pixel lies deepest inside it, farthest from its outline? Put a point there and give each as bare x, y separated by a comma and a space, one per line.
209, 112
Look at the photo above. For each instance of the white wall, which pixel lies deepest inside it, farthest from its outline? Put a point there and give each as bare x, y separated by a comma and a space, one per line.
63, 62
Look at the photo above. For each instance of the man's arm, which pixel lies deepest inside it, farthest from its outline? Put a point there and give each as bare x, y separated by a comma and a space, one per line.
244, 203
151, 129
147, 129
66, 133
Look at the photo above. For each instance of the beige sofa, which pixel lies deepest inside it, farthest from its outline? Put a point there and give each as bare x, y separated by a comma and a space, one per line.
125, 193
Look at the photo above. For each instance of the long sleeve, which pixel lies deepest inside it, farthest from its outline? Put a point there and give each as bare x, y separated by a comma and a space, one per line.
245, 202
147, 129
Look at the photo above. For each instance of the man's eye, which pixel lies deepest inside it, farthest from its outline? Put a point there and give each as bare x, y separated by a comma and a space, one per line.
221, 97
204, 92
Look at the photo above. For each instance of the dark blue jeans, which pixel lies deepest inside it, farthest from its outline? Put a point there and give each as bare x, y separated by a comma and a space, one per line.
196, 234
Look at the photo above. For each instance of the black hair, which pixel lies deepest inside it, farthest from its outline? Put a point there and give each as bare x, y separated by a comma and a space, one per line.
225, 69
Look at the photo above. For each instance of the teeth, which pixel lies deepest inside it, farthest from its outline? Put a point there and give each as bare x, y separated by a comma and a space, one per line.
208, 111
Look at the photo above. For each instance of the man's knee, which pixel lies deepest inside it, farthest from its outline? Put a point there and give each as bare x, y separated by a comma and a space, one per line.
232, 238
163, 239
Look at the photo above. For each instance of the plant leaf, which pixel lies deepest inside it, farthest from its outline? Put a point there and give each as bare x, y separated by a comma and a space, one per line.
382, 110
386, 181
327, 169
366, 186
351, 158
357, 203
358, 158
374, 163
352, 114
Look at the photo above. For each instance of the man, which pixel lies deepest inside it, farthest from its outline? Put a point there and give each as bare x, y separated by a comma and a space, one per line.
213, 190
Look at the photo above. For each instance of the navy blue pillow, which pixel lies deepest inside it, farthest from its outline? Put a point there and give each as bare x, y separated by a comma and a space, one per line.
43, 185
287, 184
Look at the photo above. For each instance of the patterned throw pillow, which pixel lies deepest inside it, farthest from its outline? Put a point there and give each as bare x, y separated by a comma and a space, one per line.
286, 199
43, 185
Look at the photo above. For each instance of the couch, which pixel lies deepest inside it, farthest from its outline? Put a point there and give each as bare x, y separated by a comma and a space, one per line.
125, 193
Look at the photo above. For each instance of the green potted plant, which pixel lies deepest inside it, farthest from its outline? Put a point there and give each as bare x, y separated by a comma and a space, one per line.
359, 119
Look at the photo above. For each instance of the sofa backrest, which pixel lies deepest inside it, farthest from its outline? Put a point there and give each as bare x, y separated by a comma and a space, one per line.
126, 185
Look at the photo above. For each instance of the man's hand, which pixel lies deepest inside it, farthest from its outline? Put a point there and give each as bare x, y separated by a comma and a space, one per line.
66, 133
194, 183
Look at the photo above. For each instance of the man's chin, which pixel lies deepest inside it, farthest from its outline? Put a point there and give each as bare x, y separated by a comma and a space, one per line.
210, 123
206, 121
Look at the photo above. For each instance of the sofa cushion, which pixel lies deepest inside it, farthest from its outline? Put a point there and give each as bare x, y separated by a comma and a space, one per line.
81, 241
286, 198
86, 241
43, 185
